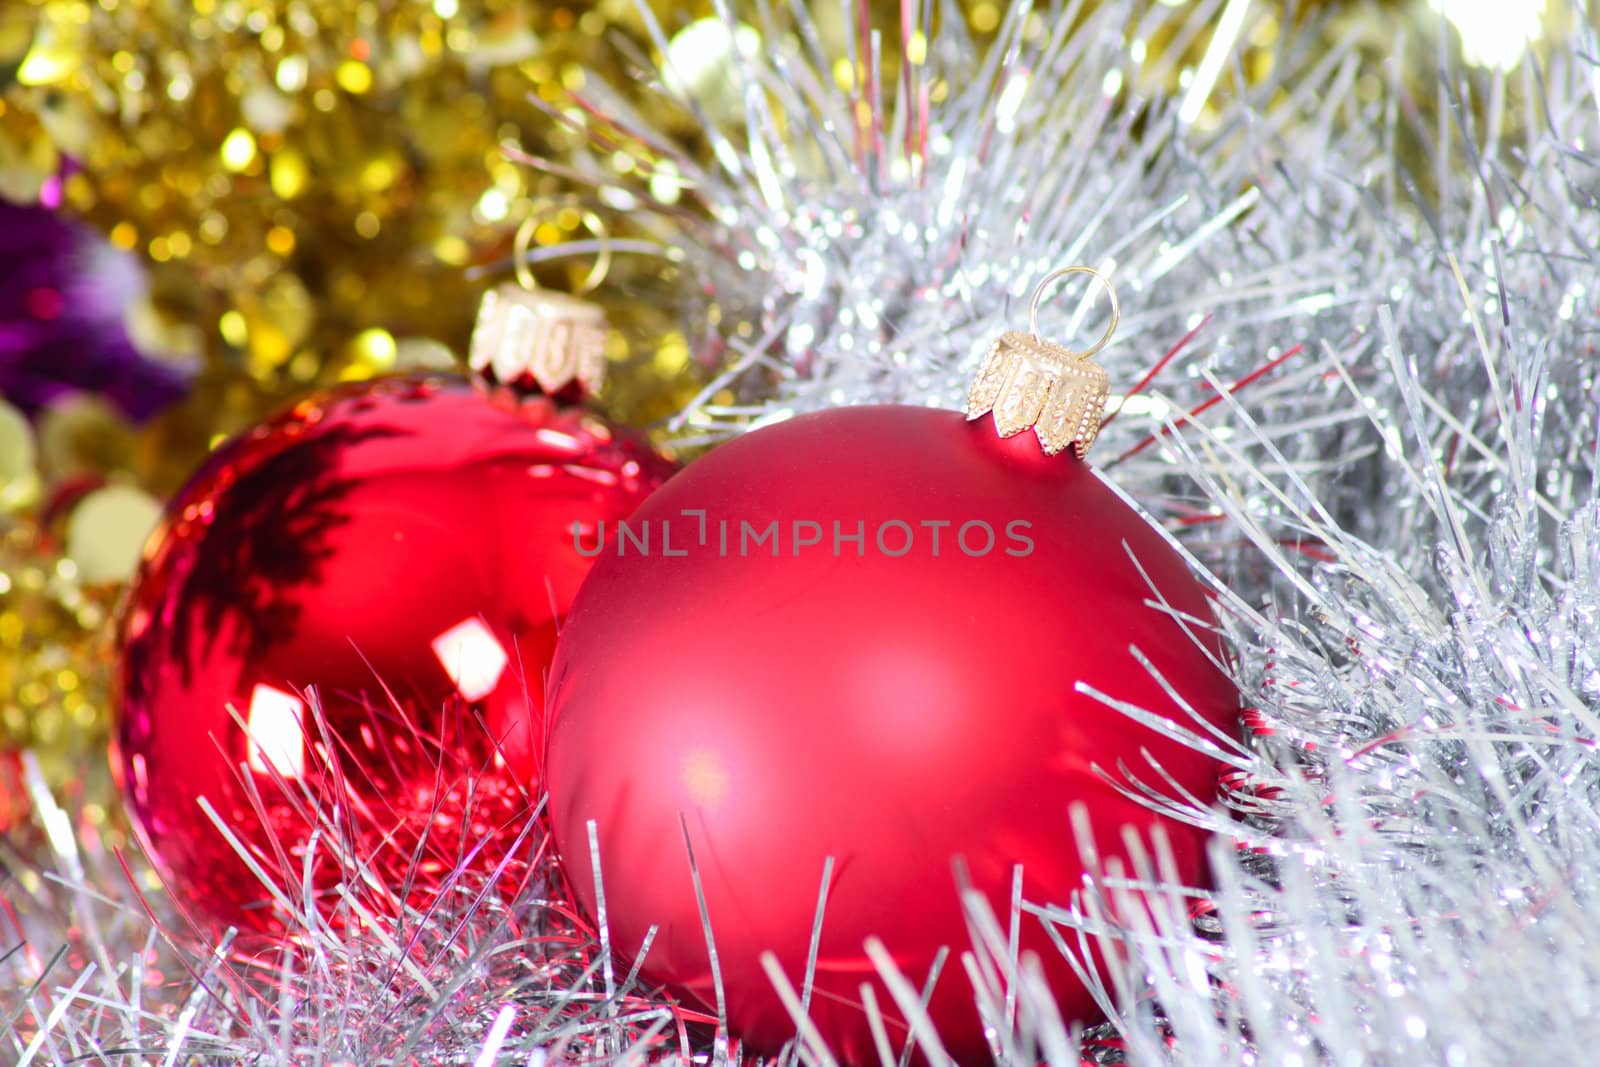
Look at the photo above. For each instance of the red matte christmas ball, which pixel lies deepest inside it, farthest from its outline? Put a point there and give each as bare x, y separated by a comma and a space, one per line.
862, 634
399, 552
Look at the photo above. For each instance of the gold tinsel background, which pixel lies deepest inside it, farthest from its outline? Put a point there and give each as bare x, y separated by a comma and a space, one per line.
320, 192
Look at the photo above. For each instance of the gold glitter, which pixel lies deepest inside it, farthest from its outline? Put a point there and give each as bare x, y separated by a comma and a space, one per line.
18, 478
288, 173
375, 349
354, 77
238, 150
453, 250
673, 355
233, 329
917, 49
380, 172
304, 366
280, 240
54, 670
292, 73
106, 532
213, 228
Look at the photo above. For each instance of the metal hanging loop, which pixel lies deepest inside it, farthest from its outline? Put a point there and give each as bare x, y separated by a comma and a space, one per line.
1038, 295
523, 241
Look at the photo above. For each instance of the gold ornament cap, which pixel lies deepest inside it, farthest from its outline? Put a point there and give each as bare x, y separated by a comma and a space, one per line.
537, 337
1026, 381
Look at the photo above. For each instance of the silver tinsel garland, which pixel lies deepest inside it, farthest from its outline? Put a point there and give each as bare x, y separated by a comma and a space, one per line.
1398, 510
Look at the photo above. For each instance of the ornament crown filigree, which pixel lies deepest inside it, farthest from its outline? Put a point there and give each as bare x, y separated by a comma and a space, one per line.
1026, 381
538, 337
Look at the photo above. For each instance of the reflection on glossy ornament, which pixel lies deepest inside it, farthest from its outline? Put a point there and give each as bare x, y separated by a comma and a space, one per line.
397, 554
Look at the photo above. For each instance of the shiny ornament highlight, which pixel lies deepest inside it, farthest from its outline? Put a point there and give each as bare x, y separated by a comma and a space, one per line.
874, 634
357, 601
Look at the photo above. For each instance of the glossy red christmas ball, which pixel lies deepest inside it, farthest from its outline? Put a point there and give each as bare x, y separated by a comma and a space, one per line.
402, 549
15, 804
859, 634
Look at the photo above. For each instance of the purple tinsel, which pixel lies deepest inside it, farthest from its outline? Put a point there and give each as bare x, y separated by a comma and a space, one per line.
63, 294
